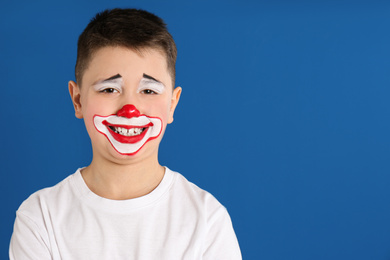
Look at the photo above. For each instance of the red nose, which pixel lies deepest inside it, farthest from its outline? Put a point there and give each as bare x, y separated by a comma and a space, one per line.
128, 111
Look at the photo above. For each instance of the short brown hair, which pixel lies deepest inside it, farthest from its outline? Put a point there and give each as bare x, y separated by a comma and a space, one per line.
131, 28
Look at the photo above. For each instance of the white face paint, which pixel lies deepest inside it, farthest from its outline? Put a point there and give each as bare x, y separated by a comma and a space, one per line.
128, 135
109, 85
148, 84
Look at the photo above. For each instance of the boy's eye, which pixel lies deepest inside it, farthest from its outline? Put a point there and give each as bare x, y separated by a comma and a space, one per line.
109, 90
148, 92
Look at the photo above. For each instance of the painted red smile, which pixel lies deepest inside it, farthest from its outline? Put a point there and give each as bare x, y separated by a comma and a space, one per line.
127, 134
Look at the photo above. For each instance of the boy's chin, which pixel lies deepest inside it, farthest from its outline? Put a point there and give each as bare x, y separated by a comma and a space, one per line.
146, 152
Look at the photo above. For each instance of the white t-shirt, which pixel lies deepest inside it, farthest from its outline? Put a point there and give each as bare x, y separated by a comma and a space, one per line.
177, 220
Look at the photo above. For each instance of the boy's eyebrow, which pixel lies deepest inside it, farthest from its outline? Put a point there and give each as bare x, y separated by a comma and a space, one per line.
113, 77
146, 76
117, 76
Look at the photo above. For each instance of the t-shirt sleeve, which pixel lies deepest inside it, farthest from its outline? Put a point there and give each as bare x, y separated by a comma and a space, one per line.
221, 241
28, 241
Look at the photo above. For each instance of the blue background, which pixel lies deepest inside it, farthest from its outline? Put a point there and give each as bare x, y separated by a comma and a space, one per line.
284, 116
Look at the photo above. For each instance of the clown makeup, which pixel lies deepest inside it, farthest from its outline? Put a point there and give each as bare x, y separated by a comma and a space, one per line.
112, 84
128, 131
150, 85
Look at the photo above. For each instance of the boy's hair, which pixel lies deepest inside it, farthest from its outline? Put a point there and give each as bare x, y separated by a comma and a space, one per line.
131, 28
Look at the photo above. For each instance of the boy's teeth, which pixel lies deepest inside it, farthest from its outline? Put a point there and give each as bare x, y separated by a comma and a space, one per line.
128, 132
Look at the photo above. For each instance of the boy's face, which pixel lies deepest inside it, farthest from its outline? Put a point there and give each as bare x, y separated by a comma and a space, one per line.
126, 101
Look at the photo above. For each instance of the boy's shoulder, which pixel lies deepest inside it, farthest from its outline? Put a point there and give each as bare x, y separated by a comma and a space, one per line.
191, 193
191, 188
47, 197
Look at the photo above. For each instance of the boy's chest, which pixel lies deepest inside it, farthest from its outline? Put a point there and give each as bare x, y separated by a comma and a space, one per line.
154, 233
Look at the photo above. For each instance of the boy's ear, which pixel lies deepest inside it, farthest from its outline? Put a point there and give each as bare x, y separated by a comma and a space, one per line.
175, 99
74, 92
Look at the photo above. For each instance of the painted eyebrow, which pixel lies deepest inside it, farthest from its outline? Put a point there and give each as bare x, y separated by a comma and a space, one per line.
117, 76
146, 76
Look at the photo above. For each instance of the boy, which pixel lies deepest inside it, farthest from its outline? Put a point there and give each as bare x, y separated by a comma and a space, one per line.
124, 205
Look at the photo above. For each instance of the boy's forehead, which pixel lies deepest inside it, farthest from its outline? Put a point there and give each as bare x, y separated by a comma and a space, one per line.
103, 65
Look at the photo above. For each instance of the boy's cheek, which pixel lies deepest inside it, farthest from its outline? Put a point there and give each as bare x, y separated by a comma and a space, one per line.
95, 107
90, 126
88, 119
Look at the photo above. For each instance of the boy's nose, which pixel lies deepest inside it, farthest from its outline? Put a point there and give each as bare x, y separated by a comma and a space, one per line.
128, 111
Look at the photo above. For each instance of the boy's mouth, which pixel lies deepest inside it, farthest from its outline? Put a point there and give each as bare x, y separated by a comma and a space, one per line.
127, 134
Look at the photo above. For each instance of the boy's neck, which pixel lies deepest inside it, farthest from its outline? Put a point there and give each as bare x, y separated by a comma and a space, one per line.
120, 182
